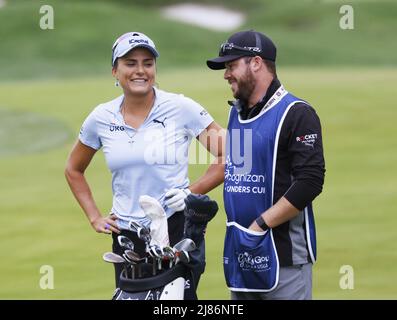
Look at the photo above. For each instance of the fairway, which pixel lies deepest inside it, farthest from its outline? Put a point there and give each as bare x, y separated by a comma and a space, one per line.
43, 225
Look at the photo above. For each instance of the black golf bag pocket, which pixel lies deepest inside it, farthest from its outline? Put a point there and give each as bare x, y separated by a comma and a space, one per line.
168, 285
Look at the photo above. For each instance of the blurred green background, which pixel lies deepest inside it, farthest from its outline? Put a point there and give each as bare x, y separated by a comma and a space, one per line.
51, 79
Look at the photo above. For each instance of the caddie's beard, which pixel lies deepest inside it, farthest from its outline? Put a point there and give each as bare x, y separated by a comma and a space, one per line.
245, 85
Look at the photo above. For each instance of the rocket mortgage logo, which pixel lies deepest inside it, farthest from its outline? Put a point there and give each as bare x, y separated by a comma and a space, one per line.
308, 139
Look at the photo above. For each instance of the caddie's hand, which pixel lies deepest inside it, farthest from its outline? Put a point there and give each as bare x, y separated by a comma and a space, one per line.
175, 199
106, 224
254, 227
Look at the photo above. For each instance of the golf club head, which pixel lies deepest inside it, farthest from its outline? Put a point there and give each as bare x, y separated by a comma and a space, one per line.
127, 259
155, 251
144, 234
132, 255
134, 226
125, 242
182, 257
185, 244
169, 252
112, 257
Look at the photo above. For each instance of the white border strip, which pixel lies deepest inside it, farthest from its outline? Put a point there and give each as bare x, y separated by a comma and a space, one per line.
276, 143
273, 102
238, 226
309, 240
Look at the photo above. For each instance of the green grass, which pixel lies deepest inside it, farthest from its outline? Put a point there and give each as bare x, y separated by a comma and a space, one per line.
34, 137
43, 225
50, 81
305, 32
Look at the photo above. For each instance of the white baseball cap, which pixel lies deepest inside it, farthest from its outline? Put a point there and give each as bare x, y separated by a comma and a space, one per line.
129, 41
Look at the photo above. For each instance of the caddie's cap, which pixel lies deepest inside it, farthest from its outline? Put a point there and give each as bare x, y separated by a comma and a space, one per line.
129, 41
244, 43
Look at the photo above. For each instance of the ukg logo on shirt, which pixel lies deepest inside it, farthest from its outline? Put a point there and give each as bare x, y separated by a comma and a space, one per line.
113, 127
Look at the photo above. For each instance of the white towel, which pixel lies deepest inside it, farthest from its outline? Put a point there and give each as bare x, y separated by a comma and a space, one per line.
158, 227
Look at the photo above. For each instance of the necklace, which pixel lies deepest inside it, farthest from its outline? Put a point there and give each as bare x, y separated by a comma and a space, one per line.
131, 141
126, 127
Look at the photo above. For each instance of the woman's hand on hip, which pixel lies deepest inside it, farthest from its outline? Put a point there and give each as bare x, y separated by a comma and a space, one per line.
106, 224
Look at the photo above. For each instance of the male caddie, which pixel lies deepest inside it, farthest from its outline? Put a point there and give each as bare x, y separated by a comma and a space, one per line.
274, 170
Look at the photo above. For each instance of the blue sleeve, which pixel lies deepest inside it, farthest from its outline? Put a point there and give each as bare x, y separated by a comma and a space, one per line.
197, 118
89, 133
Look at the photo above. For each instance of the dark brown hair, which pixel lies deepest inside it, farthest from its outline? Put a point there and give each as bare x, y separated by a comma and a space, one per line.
270, 65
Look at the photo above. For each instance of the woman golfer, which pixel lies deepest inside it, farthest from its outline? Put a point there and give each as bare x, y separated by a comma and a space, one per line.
145, 134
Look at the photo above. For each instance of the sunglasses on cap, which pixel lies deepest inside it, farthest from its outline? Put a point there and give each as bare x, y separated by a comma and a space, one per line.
225, 47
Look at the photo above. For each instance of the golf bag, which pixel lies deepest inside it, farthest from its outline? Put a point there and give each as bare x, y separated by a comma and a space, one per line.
173, 276
169, 285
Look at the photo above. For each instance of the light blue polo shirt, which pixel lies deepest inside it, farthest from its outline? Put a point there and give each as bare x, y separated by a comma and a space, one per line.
149, 160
